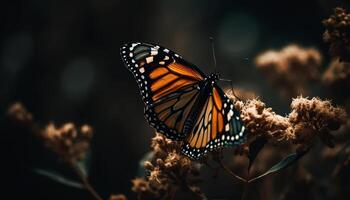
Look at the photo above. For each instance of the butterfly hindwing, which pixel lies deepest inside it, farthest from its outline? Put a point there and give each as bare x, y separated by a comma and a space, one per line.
218, 125
168, 85
169, 115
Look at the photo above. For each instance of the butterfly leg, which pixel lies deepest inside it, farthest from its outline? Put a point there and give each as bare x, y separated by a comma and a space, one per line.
231, 83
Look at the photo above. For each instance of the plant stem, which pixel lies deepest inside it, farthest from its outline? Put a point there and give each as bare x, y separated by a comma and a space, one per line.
245, 190
224, 167
196, 195
246, 184
85, 181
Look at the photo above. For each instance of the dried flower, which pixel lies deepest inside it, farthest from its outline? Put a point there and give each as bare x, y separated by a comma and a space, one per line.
337, 34
308, 118
262, 121
291, 68
314, 117
67, 141
337, 72
143, 189
168, 172
19, 113
337, 80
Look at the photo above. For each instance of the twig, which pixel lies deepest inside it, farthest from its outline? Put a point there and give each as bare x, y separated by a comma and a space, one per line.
85, 181
224, 167
196, 195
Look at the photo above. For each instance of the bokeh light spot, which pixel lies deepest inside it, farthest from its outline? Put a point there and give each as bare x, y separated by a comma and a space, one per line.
77, 78
238, 34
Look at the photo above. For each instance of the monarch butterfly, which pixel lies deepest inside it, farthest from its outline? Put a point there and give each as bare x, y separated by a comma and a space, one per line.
181, 102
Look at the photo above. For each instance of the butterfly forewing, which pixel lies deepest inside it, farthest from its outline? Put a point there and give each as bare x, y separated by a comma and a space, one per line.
168, 85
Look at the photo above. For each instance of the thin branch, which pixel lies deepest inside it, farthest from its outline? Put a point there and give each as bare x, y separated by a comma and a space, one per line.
196, 195
224, 167
85, 181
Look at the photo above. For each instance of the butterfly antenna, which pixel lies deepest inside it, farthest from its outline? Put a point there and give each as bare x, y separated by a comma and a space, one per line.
213, 52
216, 67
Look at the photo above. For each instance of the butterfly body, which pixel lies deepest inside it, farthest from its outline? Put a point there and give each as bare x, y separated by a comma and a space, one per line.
181, 102
205, 88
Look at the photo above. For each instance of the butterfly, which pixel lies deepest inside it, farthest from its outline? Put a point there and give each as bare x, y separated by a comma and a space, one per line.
182, 102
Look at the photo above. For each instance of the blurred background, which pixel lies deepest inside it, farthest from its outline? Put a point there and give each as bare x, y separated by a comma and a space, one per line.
61, 60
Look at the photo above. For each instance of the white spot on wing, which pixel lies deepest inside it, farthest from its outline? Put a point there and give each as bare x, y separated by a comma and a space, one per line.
153, 53
149, 59
230, 113
241, 132
227, 127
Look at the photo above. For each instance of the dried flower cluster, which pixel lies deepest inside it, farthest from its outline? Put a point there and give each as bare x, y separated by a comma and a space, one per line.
337, 34
19, 113
262, 121
291, 68
169, 172
314, 117
70, 143
337, 80
337, 72
308, 118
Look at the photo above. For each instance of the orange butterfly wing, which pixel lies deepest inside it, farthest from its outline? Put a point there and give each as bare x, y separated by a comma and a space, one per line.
218, 125
170, 89
168, 85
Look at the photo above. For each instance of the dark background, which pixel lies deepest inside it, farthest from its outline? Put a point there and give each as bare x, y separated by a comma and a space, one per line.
61, 59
